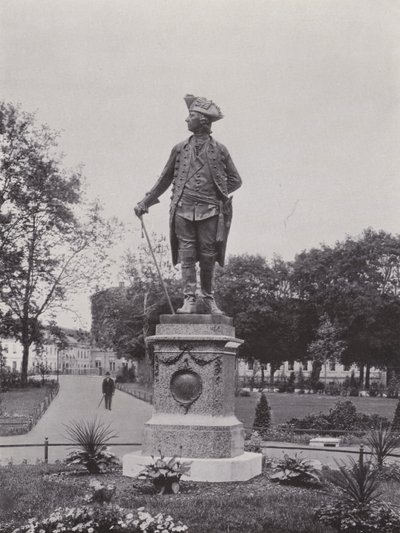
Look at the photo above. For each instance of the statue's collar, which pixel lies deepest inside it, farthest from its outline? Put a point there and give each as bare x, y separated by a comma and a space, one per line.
212, 141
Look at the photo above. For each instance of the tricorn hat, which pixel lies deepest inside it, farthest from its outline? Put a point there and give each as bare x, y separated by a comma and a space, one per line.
203, 106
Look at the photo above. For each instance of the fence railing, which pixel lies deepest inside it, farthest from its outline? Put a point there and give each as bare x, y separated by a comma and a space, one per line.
356, 451
137, 393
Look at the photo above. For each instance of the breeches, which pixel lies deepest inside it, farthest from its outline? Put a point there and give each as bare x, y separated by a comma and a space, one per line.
197, 235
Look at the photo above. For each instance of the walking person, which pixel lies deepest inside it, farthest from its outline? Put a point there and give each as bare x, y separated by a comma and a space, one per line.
108, 388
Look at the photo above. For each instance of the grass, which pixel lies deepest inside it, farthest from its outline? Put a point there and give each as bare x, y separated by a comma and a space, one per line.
23, 402
285, 406
255, 506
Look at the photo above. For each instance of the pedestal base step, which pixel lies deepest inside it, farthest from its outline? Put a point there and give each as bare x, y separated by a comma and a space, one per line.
239, 468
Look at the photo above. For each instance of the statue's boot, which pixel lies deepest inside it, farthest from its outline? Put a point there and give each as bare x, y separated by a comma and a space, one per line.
207, 264
188, 266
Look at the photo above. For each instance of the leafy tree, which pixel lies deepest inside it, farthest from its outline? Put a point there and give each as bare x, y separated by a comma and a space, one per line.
275, 325
122, 317
326, 347
356, 283
51, 243
262, 420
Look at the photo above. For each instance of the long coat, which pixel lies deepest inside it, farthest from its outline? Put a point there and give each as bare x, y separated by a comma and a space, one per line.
177, 171
108, 386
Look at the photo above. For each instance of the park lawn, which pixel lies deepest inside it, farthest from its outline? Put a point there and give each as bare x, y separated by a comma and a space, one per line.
22, 402
254, 506
285, 406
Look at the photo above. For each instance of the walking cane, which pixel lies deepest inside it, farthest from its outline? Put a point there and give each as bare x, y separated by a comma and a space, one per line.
100, 401
157, 267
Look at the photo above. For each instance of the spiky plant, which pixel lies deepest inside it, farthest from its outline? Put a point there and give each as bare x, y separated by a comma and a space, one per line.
90, 437
358, 484
382, 442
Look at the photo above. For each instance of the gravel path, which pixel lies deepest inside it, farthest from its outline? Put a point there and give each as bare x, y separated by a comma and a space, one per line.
77, 399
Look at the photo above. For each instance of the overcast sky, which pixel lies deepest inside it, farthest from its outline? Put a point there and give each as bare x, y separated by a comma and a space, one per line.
309, 90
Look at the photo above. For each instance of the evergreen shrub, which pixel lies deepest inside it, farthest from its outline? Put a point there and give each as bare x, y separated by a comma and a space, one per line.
262, 420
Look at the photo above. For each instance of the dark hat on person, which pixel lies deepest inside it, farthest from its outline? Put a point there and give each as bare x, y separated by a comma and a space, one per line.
107, 373
203, 106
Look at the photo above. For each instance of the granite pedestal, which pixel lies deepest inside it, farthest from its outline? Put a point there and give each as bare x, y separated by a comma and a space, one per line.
194, 401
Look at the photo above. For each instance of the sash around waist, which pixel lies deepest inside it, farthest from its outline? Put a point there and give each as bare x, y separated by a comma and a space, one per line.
192, 196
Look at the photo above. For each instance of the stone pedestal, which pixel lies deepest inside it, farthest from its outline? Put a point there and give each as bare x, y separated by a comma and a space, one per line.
194, 401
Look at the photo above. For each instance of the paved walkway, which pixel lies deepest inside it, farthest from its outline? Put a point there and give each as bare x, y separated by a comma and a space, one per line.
78, 399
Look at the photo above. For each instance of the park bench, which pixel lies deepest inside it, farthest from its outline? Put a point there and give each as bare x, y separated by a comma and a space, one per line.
325, 442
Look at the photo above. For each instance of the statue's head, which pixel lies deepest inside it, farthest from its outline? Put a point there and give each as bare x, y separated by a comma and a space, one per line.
202, 113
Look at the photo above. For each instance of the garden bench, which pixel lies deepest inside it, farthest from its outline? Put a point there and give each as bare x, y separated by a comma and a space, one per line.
325, 442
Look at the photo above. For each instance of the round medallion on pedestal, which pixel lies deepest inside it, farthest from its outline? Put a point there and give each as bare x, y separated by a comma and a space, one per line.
185, 386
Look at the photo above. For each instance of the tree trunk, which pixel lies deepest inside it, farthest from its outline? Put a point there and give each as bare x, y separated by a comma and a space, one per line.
25, 360
315, 372
25, 341
361, 377
367, 376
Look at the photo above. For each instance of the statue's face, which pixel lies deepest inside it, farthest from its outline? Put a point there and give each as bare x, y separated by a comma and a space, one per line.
193, 121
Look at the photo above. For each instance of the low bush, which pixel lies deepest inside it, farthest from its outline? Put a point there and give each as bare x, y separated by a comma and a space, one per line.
346, 518
343, 416
100, 519
296, 471
166, 474
253, 443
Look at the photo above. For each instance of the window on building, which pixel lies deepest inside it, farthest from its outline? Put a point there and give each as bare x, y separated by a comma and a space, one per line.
305, 365
250, 365
347, 368
112, 365
332, 365
14, 365
291, 365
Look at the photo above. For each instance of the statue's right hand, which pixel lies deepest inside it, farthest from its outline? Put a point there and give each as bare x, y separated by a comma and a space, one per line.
140, 209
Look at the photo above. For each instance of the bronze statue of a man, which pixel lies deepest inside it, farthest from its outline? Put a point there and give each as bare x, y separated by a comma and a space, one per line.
202, 174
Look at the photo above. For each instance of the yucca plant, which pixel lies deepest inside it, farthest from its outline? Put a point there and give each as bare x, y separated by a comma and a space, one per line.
90, 437
359, 484
382, 441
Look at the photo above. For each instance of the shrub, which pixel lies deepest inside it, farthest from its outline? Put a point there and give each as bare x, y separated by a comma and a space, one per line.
253, 443
100, 493
166, 474
342, 517
382, 442
91, 438
100, 519
396, 418
393, 388
343, 416
262, 419
295, 471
